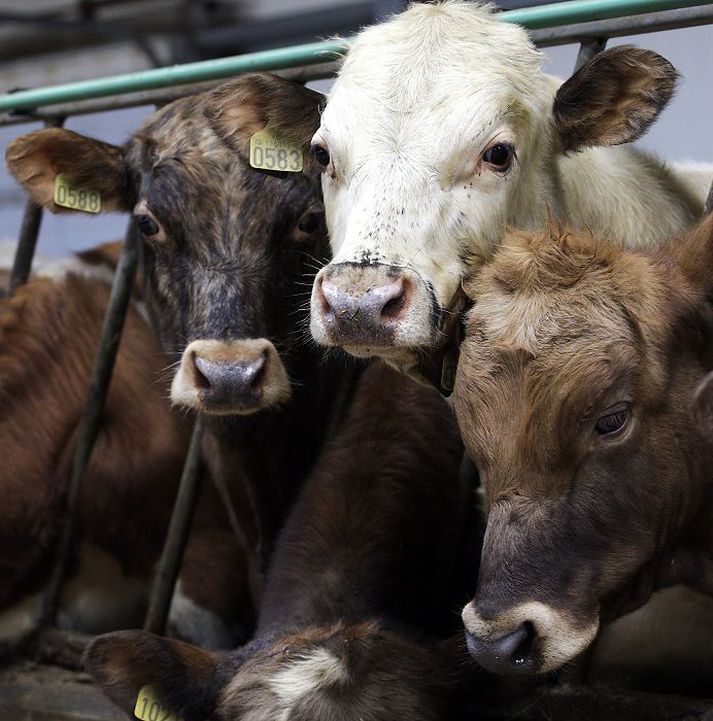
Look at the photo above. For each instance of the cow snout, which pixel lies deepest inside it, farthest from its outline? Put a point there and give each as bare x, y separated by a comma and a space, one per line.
364, 308
227, 382
513, 652
230, 377
528, 638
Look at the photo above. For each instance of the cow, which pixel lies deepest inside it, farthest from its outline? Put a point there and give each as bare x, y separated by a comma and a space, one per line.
49, 332
228, 255
439, 132
359, 592
583, 394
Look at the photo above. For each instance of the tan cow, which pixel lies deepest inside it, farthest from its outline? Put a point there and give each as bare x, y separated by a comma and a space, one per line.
49, 333
574, 397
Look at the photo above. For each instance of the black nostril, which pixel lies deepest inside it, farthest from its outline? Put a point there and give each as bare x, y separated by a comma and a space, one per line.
522, 654
201, 380
512, 653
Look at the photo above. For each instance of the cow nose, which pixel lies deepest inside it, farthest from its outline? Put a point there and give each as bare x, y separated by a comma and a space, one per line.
362, 315
509, 654
374, 306
229, 382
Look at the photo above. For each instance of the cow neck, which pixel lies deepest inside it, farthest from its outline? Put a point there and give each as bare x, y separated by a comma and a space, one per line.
263, 459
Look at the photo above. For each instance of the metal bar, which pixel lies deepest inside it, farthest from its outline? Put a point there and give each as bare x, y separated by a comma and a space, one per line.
308, 54
177, 535
588, 49
92, 415
581, 11
156, 97
709, 202
562, 13
630, 25
29, 232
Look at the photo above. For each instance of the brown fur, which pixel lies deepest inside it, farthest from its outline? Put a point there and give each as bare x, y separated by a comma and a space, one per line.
361, 584
614, 98
49, 333
565, 327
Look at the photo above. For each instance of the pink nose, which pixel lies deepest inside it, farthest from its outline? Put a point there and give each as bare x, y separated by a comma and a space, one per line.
362, 312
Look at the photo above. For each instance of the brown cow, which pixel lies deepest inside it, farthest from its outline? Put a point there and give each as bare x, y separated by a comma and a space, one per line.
573, 396
360, 585
49, 332
228, 257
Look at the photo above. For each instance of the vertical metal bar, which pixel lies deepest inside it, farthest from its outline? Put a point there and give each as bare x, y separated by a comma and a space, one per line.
29, 232
91, 419
709, 202
588, 49
177, 535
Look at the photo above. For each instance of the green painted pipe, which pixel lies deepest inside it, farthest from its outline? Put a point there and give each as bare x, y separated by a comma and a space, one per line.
555, 14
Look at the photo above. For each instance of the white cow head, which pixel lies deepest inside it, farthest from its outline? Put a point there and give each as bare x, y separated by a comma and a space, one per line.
441, 130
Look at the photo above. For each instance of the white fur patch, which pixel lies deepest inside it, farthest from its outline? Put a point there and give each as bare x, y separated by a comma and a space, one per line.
309, 673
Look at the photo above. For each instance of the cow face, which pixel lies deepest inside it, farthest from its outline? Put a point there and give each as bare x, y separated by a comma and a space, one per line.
573, 395
439, 132
225, 248
336, 672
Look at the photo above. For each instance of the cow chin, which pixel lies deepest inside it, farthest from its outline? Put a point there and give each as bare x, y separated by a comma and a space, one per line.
230, 377
531, 638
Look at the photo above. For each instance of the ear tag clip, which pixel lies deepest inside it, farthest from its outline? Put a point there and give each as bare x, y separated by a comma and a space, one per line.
269, 151
83, 199
150, 708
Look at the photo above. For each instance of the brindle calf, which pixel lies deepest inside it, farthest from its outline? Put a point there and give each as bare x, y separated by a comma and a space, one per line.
574, 396
49, 332
360, 585
228, 257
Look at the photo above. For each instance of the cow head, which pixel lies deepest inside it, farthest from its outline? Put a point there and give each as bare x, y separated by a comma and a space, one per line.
573, 394
439, 131
225, 247
337, 672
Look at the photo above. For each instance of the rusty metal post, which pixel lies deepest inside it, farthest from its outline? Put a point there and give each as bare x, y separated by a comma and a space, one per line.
177, 536
91, 419
588, 49
29, 232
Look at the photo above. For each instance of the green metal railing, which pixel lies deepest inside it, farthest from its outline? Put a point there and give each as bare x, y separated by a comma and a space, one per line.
553, 15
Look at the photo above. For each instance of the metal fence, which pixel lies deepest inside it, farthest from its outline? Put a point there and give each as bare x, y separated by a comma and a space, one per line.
587, 22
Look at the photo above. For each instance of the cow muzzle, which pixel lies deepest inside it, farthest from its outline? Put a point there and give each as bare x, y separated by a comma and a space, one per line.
530, 638
367, 309
230, 377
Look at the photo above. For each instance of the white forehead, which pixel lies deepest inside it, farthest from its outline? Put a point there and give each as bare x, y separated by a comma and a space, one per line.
436, 70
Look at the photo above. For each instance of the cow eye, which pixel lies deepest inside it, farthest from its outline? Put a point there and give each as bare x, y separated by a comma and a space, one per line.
499, 156
613, 421
147, 226
309, 222
321, 154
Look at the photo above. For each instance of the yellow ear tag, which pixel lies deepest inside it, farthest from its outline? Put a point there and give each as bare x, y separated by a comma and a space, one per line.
84, 199
150, 708
269, 151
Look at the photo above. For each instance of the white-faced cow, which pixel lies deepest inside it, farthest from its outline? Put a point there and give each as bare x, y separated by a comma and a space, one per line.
49, 333
360, 589
440, 131
582, 394
228, 257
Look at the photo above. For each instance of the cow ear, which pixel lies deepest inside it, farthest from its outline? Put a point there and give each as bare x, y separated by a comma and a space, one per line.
613, 98
36, 159
703, 406
180, 675
693, 254
240, 108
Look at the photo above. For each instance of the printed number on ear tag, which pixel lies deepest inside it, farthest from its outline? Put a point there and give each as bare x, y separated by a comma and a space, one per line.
84, 199
150, 708
271, 152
